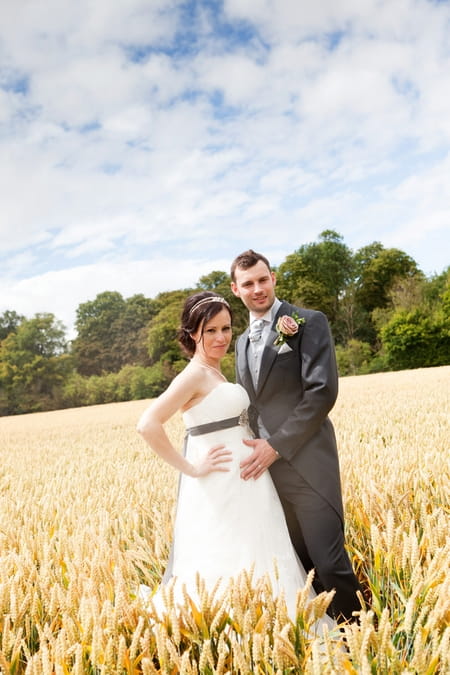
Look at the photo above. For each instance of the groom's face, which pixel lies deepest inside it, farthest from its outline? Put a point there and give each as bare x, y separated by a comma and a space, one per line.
255, 286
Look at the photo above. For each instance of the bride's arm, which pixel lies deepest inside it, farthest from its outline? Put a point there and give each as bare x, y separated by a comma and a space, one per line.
182, 389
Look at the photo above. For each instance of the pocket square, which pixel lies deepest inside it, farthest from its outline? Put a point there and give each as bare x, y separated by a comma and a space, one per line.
284, 348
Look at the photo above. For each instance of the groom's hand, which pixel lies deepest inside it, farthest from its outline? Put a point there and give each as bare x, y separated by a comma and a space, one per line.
261, 458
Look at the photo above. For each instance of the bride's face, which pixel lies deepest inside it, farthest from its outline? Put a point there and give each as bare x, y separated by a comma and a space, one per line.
213, 337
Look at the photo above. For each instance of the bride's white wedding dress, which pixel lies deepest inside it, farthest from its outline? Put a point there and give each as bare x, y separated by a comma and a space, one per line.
224, 524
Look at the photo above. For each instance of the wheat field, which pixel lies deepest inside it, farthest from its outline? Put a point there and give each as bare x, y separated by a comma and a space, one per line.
86, 515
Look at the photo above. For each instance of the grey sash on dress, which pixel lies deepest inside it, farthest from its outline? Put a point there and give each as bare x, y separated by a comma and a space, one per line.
196, 431
212, 426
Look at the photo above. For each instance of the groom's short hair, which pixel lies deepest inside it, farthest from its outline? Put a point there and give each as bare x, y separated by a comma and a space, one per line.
247, 259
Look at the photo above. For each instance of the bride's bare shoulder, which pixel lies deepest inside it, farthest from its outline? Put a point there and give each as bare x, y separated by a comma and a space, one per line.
188, 379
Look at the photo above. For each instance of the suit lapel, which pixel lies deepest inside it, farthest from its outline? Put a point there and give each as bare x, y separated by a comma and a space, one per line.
268, 357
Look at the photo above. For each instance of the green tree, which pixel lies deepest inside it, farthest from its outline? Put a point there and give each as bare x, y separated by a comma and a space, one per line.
111, 332
436, 286
131, 330
350, 317
417, 340
406, 295
354, 358
33, 365
379, 274
364, 256
94, 347
317, 274
9, 322
215, 281
289, 275
162, 342
415, 332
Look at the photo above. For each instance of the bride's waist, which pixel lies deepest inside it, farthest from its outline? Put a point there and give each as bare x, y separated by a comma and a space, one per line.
232, 439
213, 426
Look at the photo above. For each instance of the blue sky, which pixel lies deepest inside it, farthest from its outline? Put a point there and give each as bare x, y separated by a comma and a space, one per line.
144, 143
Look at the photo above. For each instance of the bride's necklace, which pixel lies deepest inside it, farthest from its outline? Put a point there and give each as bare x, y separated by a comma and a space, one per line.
215, 370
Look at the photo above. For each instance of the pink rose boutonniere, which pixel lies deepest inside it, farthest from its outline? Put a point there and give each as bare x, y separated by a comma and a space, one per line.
287, 326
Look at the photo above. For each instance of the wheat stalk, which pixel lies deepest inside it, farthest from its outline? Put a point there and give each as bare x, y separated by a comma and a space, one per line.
86, 515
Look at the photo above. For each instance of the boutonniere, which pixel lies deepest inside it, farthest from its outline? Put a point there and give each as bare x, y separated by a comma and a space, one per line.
287, 326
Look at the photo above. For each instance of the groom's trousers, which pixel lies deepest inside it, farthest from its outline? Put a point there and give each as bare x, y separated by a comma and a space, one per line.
317, 534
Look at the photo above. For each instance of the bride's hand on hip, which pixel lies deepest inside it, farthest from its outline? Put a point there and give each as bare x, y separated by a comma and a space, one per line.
215, 460
259, 460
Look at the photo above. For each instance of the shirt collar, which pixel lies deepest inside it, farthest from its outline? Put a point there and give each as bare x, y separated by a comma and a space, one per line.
271, 313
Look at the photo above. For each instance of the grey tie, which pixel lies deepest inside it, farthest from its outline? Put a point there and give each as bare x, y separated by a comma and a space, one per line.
256, 330
256, 348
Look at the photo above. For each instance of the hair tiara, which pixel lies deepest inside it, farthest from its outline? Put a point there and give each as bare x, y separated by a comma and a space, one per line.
212, 298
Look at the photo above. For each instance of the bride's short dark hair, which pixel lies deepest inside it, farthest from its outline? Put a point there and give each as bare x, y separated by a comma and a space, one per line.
199, 309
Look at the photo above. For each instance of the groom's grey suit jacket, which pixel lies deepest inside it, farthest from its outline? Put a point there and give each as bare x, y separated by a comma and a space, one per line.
296, 389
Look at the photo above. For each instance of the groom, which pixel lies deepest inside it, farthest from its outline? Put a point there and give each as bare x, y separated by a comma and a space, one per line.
292, 387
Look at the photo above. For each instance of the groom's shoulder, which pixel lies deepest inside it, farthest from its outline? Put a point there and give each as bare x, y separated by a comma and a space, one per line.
289, 308
304, 312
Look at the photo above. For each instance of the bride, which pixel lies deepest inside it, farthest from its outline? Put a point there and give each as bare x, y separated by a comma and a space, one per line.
223, 524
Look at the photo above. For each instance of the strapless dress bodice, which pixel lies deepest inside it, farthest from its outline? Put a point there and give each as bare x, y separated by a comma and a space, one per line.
225, 400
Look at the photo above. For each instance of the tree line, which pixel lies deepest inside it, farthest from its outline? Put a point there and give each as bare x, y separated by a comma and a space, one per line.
384, 312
